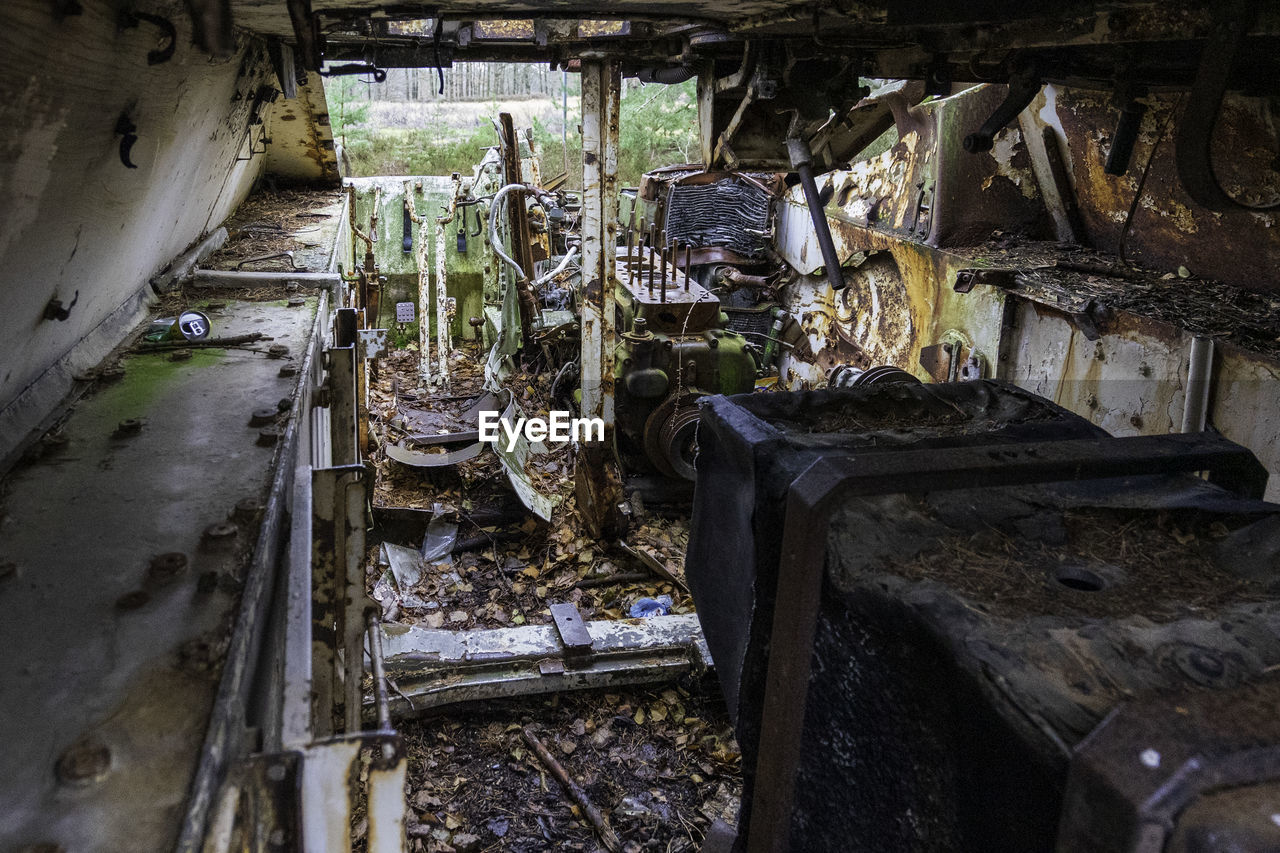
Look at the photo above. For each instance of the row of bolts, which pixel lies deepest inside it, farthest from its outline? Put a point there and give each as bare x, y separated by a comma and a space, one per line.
656, 261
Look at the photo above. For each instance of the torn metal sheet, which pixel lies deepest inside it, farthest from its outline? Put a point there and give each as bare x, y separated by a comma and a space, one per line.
417, 459
514, 462
405, 568
434, 668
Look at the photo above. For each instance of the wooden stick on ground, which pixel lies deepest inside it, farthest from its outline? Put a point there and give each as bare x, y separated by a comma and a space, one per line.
598, 820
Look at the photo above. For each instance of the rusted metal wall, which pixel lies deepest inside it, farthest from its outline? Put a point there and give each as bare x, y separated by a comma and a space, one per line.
302, 148
1074, 330
1168, 229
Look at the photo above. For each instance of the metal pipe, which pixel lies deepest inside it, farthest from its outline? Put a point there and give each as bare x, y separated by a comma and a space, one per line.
538, 194
1195, 407
802, 162
560, 267
379, 674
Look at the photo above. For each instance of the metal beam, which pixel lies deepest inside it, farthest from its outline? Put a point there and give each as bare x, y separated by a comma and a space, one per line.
597, 481
600, 97
432, 669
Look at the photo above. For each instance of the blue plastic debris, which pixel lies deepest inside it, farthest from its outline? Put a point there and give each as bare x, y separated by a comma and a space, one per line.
646, 607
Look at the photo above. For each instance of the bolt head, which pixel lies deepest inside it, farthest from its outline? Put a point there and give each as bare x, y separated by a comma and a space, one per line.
166, 567
132, 600
83, 763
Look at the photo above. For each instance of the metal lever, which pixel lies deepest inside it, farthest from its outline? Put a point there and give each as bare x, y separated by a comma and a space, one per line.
1023, 86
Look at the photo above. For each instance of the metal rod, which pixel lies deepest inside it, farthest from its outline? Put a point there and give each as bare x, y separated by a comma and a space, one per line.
802, 162
665, 250
662, 255
653, 241
688, 269
1195, 408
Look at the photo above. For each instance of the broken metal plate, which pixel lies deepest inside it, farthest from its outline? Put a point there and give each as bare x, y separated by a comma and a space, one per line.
372, 342
417, 459
404, 572
434, 668
569, 625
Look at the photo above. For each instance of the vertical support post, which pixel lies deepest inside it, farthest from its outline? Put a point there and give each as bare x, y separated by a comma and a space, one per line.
343, 390
706, 112
601, 85
442, 310
424, 305
597, 481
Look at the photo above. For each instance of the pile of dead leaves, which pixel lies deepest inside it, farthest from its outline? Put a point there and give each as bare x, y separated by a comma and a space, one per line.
661, 765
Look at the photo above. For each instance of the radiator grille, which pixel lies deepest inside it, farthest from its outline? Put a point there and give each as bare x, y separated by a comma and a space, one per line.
720, 214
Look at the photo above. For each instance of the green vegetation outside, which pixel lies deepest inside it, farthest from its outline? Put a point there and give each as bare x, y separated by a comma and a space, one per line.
658, 128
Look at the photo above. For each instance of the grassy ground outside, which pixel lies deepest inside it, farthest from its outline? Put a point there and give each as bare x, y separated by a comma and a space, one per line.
658, 128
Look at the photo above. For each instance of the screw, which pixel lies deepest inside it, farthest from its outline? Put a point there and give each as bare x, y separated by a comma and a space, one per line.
288, 370
247, 510
132, 600
128, 427
84, 762
219, 533
262, 417
166, 567
277, 351
180, 355
268, 436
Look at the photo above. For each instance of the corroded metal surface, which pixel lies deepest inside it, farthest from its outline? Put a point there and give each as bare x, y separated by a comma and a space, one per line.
1168, 229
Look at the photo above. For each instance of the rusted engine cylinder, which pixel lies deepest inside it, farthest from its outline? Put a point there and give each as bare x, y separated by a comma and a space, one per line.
982, 577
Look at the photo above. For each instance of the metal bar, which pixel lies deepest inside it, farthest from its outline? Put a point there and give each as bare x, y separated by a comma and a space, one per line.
227, 719
1195, 408
444, 342
374, 631
342, 404
433, 669
387, 805
349, 526
424, 300
326, 796
802, 162
600, 96
230, 278
664, 251
828, 482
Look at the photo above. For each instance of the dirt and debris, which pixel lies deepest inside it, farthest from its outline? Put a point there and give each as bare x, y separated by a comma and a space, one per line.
1074, 278
1091, 564
271, 222
660, 765
655, 766
512, 571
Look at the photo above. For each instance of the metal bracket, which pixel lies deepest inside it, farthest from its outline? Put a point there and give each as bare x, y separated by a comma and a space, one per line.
573, 632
